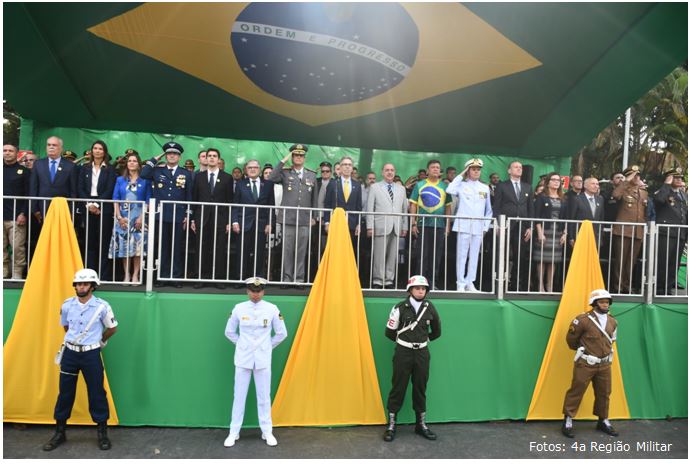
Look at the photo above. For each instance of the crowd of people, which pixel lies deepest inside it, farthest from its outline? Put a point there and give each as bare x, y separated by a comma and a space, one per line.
437, 223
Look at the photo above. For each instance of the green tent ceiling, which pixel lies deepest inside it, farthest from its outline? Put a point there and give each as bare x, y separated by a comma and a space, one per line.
526, 79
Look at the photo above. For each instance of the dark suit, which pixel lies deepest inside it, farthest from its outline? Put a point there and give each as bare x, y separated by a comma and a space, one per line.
64, 184
671, 210
97, 228
578, 208
335, 198
176, 187
211, 239
252, 222
506, 203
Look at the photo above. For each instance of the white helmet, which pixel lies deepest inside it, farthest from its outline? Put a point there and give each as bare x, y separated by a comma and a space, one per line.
597, 295
86, 275
417, 280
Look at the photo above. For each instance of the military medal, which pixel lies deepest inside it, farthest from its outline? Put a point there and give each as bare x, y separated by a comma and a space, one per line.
264, 323
20, 171
160, 185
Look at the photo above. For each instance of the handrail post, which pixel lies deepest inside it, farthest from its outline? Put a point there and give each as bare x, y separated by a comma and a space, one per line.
501, 277
150, 245
650, 278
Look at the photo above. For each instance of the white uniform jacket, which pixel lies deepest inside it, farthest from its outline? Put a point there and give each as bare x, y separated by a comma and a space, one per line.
474, 200
249, 327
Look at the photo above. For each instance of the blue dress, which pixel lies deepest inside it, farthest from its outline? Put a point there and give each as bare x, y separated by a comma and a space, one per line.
128, 241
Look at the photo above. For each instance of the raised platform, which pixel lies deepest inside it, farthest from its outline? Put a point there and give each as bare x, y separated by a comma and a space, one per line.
170, 364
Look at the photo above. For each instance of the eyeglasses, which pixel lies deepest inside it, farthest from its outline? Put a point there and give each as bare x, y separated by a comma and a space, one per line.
555, 179
325, 171
253, 167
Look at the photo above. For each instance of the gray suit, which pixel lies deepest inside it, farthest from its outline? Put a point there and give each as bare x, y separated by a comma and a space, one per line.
386, 228
297, 191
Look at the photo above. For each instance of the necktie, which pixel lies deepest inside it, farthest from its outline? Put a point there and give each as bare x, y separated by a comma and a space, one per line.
298, 175
211, 183
255, 190
173, 170
592, 205
390, 191
345, 189
516, 187
53, 163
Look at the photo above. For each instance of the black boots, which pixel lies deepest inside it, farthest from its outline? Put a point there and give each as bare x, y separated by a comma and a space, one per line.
422, 429
567, 427
59, 436
389, 434
102, 435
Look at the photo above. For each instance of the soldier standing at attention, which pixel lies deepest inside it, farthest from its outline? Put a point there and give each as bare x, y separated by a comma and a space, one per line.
412, 324
250, 328
591, 335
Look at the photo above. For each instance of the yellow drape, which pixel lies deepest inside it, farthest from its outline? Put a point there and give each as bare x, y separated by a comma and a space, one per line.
555, 375
30, 375
330, 376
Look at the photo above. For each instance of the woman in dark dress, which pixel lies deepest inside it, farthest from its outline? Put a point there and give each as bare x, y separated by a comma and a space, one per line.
551, 235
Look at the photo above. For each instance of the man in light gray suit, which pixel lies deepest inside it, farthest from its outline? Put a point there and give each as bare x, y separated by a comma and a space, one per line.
386, 197
298, 190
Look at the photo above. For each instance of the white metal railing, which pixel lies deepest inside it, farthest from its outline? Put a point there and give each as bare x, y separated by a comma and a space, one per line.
198, 243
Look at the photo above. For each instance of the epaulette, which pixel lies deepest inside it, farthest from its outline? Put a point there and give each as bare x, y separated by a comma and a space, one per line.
306, 169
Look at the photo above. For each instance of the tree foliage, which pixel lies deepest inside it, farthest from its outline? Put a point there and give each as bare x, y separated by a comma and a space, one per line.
658, 136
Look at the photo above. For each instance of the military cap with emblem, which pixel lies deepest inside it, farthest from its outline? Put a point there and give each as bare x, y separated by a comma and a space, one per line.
298, 149
325, 164
475, 162
256, 284
172, 147
131, 152
70, 155
675, 173
188, 163
632, 170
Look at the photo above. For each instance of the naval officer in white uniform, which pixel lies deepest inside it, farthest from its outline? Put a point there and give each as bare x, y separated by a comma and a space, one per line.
250, 328
474, 200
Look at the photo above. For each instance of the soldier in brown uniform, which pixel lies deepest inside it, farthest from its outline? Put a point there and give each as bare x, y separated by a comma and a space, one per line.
591, 335
632, 201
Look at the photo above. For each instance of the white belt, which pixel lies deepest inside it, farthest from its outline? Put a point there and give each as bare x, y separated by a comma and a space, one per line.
592, 360
412, 345
82, 348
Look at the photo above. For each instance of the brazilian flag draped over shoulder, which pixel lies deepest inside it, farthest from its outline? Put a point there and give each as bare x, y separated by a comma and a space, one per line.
30, 376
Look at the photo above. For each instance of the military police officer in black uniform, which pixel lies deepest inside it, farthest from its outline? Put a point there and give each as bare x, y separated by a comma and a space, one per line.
412, 324
171, 182
670, 209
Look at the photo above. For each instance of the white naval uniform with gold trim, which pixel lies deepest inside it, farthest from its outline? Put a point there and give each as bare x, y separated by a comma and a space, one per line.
250, 328
474, 200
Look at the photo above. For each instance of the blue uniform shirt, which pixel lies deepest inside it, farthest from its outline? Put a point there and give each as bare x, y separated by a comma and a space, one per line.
76, 316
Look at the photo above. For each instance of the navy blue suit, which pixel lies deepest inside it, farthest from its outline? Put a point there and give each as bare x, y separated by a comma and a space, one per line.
252, 231
98, 228
176, 187
64, 184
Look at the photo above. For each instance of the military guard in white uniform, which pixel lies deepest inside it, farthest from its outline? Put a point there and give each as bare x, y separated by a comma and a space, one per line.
250, 328
474, 200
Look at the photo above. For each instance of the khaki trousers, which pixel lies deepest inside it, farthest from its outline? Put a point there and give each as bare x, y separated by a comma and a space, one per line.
601, 376
13, 239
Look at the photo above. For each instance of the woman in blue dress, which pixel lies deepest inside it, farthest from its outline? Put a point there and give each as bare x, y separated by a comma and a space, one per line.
128, 241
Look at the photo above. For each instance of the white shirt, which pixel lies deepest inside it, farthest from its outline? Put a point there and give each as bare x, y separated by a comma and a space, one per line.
249, 327
415, 304
95, 179
215, 172
602, 319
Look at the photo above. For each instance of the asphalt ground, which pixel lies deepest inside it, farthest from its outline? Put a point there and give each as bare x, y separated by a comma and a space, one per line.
638, 439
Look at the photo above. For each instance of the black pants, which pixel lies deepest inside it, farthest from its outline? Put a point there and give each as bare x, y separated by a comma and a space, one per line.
89, 363
252, 257
171, 265
428, 255
670, 249
211, 248
97, 236
414, 364
519, 256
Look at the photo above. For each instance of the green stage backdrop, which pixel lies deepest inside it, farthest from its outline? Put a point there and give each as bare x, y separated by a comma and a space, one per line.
171, 365
238, 152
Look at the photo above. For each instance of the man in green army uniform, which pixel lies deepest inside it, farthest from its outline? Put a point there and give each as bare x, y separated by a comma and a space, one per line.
592, 335
412, 324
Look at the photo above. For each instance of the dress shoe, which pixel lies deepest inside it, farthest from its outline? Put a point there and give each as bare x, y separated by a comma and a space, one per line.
158, 284
606, 428
198, 286
471, 288
220, 286
231, 440
269, 439
178, 285
389, 286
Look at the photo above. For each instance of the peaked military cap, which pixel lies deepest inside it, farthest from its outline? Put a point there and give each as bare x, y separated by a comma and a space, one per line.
298, 149
174, 147
70, 155
256, 284
631, 170
675, 173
